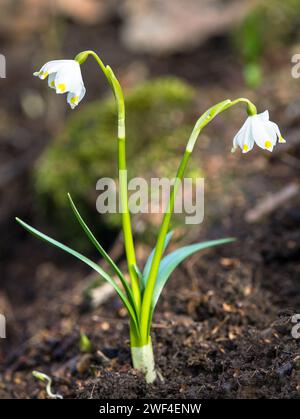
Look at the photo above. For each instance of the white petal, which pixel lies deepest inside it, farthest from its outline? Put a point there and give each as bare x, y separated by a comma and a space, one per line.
248, 140
273, 132
51, 67
264, 116
278, 133
243, 139
69, 79
237, 139
51, 80
82, 93
264, 137
275, 127
79, 93
74, 98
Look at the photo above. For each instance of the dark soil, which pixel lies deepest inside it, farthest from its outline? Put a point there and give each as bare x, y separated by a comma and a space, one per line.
225, 334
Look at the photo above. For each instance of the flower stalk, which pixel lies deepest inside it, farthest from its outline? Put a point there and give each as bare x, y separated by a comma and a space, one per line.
204, 119
122, 168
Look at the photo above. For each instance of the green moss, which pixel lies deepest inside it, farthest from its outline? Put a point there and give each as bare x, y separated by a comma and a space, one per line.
157, 130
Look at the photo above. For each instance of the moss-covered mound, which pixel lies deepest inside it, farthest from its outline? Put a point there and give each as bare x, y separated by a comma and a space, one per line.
157, 129
270, 25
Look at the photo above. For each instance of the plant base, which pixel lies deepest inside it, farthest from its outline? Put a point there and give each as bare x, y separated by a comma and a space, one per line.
143, 360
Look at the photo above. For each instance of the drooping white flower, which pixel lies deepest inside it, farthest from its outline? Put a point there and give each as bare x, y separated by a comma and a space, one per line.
65, 77
260, 130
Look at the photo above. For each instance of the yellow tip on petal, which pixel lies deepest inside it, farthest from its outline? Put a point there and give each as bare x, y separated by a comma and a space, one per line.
44, 75
74, 100
61, 87
282, 140
52, 84
268, 144
245, 148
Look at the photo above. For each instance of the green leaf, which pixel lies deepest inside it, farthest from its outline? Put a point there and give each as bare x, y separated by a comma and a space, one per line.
98, 246
87, 261
138, 272
171, 261
150, 258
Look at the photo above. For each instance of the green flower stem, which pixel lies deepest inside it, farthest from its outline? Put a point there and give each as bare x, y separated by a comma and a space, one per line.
147, 298
127, 231
207, 117
126, 222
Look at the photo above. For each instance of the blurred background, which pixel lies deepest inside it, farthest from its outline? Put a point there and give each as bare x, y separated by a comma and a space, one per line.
174, 59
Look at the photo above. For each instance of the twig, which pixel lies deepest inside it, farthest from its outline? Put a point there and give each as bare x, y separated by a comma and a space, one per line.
92, 392
272, 202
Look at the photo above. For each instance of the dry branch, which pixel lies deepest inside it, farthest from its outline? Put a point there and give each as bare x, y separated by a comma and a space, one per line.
272, 202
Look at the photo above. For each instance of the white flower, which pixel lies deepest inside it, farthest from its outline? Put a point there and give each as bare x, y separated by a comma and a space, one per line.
64, 76
260, 130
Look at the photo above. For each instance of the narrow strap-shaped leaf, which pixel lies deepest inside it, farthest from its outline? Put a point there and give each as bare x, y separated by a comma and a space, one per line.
170, 262
149, 260
98, 246
138, 272
87, 261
